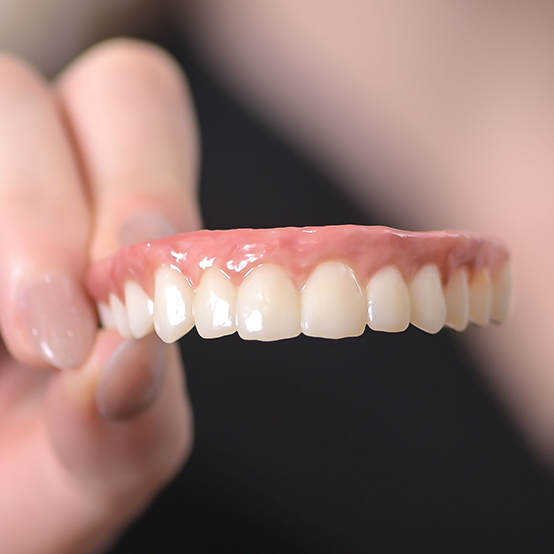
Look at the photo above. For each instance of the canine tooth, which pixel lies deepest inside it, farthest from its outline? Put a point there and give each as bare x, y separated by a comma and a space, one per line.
480, 298
120, 316
106, 317
427, 300
501, 292
173, 301
333, 303
140, 310
388, 301
214, 304
456, 295
268, 305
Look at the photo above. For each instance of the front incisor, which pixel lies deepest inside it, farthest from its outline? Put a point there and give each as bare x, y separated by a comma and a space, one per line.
427, 300
106, 317
268, 305
388, 301
140, 310
333, 303
173, 301
480, 296
121, 319
456, 294
215, 304
501, 293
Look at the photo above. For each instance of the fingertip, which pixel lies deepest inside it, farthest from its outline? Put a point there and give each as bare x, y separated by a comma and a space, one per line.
131, 378
45, 227
59, 319
118, 434
48, 322
20, 81
130, 110
128, 69
78, 388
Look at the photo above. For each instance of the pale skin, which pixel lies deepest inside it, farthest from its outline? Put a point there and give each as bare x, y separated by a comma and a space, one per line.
455, 100
78, 475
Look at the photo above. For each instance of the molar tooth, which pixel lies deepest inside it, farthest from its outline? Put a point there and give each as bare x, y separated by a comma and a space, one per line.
333, 303
480, 298
214, 304
457, 300
501, 292
427, 300
106, 317
140, 310
120, 316
388, 301
268, 305
173, 301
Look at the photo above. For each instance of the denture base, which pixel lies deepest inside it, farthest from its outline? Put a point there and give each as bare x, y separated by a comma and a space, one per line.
328, 282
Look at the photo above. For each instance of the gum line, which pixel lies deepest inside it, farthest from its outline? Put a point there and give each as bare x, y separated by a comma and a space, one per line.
298, 250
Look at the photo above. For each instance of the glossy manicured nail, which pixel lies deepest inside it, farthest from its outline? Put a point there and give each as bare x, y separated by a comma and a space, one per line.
131, 378
60, 320
145, 226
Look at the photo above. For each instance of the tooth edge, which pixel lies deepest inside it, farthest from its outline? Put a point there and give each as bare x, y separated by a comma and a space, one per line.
388, 301
319, 296
211, 278
268, 305
457, 301
427, 281
120, 316
480, 298
106, 317
181, 299
501, 294
140, 310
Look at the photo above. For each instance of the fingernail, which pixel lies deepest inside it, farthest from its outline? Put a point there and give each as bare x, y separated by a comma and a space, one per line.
60, 320
145, 226
131, 378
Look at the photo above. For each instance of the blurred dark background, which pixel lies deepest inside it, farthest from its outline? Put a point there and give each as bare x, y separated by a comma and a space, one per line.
383, 443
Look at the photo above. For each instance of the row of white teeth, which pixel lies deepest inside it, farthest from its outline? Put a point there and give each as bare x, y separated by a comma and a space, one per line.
332, 303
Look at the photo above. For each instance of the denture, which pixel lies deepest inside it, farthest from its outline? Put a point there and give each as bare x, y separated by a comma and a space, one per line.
331, 282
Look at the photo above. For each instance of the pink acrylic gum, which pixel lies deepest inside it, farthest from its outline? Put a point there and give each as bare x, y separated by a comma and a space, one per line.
298, 250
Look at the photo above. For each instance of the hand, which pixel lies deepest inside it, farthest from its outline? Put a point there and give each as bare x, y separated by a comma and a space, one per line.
91, 426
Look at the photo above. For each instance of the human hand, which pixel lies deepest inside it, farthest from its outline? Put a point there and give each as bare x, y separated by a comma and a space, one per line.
91, 426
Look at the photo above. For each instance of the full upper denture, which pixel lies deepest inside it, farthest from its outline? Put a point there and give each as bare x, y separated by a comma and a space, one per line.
270, 284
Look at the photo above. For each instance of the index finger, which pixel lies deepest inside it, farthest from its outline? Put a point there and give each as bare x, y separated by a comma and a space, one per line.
132, 117
133, 121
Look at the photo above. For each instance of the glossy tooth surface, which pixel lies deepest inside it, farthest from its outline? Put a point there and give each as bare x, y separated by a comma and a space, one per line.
501, 294
106, 317
333, 303
456, 294
120, 316
388, 301
214, 304
268, 305
140, 310
480, 296
173, 301
427, 300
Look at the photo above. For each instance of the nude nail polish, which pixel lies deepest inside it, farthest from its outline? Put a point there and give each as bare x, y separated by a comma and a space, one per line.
131, 378
145, 226
60, 320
